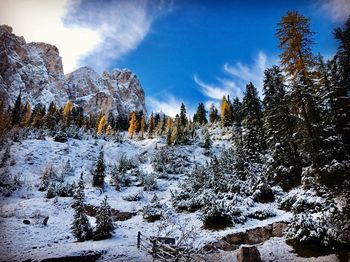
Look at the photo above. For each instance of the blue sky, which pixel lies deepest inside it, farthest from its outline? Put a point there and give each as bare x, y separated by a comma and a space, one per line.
182, 51
186, 50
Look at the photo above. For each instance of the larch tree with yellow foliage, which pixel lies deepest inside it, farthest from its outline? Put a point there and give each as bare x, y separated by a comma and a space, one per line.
226, 112
102, 125
132, 125
67, 109
142, 127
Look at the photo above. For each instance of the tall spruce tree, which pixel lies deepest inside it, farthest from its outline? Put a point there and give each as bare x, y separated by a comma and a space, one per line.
104, 225
200, 116
213, 114
183, 115
341, 84
81, 227
98, 174
17, 110
280, 125
253, 135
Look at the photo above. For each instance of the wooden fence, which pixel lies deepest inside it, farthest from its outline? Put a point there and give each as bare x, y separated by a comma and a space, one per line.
163, 248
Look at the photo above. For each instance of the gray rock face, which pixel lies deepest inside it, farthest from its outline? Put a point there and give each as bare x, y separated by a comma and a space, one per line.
36, 69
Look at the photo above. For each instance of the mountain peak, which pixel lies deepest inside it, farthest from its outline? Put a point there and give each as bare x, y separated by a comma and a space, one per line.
36, 70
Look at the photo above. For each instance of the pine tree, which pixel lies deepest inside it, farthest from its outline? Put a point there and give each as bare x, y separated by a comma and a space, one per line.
183, 116
253, 136
200, 116
237, 111
38, 115
132, 125
51, 117
81, 227
102, 125
104, 225
285, 169
213, 114
142, 126
17, 110
99, 172
151, 126
341, 84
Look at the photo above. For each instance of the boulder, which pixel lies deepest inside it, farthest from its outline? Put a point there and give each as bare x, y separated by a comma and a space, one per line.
248, 254
26, 221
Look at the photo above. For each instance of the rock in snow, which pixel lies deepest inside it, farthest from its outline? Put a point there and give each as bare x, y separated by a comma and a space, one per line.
36, 69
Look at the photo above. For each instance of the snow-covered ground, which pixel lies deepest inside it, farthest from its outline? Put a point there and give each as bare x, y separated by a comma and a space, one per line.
28, 158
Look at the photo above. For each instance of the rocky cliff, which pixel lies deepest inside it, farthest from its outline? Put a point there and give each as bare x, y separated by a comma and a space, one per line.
36, 70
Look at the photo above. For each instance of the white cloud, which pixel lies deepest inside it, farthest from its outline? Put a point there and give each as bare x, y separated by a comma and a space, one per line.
239, 75
40, 21
338, 10
95, 33
168, 105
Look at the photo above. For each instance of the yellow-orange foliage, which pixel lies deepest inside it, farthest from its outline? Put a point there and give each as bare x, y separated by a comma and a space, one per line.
101, 125
67, 108
132, 125
142, 128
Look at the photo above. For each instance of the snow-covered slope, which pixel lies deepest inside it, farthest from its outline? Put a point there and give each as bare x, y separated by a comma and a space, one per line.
36, 70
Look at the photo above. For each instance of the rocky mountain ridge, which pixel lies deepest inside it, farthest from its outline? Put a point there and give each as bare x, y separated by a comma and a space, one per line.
36, 70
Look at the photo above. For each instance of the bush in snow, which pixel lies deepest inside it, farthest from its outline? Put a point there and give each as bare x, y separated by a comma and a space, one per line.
134, 196
170, 161
48, 174
263, 193
104, 225
262, 214
60, 189
155, 211
126, 164
8, 183
119, 178
149, 182
309, 229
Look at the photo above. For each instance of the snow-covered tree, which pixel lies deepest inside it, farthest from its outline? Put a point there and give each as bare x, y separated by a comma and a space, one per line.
253, 132
99, 171
104, 225
81, 227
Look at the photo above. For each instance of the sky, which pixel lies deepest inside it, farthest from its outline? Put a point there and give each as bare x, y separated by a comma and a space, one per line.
181, 51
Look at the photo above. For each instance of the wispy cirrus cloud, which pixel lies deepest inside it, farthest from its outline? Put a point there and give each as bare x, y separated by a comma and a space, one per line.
121, 25
96, 33
237, 77
338, 10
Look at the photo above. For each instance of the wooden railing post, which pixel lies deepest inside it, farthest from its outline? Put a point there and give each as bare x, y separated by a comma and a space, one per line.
138, 239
